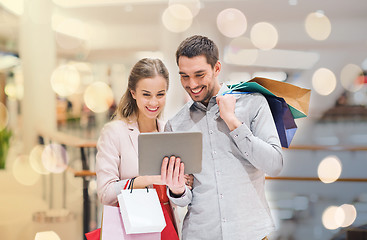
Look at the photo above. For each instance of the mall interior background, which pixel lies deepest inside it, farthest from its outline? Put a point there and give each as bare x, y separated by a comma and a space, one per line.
64, 65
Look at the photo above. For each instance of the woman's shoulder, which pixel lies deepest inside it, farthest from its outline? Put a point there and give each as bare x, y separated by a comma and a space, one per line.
115, 126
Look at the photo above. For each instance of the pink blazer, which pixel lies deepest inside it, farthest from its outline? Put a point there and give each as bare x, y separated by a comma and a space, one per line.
117, 158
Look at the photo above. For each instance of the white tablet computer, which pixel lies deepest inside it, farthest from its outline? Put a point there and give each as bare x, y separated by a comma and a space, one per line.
153, 147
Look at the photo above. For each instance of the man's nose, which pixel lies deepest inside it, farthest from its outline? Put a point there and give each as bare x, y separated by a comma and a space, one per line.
193, 83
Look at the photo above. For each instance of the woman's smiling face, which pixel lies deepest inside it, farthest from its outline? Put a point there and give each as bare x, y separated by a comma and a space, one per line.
150, 96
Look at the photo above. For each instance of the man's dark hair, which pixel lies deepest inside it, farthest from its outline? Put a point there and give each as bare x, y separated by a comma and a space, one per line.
198, 46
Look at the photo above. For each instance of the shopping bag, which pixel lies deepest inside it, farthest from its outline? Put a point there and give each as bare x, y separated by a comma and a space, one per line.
93, 235
296, 97
284, 121
141, 210
113, 227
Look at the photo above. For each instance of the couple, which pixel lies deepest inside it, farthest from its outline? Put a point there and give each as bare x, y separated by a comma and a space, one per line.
240, 145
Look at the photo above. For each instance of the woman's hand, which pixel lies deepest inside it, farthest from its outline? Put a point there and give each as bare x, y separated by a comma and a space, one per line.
172, 174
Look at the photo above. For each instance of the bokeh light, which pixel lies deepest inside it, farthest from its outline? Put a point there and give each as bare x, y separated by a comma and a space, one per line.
350, 213
318, 26
349, 77
14, 91
177, 18
241, 51
55, 158
329, 169
11, 91
98, 97
23, 172
264, 36
193, 5
4, 116
65, 80
333, 217
35, 159
324, 81
231, 22
47, 235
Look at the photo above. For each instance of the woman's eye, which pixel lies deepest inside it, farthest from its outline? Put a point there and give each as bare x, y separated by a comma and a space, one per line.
146, 94
161, 94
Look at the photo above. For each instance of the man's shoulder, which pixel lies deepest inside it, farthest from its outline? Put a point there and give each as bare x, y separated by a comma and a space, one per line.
254, 97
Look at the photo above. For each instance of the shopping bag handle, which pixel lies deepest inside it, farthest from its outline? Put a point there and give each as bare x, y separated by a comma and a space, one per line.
131, 185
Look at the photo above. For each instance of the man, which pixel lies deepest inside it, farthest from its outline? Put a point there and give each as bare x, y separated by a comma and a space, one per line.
240, 146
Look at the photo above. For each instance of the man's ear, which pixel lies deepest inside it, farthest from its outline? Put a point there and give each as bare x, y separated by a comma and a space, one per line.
217, 68
133, 94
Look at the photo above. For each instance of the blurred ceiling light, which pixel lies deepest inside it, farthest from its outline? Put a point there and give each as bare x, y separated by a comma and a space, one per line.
283, 59
193, 5
35, 158
4, 116
8, 61
237, 77
14, 6
324, 81
240, 51
350, 213
55, 158
98, 97
98, 3
264, 36
65, 80
318, 26
333, 217
23, 172
279, 76
70, 27
231, 22
177, 18
329, 169
349, 77
47, 235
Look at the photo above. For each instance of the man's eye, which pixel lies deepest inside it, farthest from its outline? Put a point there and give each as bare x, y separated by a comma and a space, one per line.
200, 75
184, 77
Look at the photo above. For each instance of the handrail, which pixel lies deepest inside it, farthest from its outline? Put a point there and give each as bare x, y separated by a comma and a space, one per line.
327, 148
67, 139
315, 179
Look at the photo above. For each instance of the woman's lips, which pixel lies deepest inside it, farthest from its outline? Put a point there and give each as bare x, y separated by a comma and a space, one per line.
152, 109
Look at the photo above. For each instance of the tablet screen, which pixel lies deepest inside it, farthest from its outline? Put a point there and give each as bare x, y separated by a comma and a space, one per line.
153, 147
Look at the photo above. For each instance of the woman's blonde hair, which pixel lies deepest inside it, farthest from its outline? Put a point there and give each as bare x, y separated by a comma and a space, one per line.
145, 68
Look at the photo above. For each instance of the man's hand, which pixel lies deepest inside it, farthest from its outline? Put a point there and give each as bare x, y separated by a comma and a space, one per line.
172, 174
226, 106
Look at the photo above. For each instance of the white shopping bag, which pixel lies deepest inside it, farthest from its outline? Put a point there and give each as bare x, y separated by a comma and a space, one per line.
141, 211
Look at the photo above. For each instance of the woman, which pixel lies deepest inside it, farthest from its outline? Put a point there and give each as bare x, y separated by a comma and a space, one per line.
117, 157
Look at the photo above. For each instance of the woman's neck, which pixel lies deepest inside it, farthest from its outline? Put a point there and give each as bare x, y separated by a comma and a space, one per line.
147, 125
